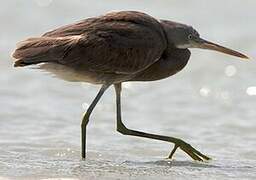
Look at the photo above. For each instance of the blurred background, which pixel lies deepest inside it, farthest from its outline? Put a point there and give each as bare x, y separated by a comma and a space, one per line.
210, 104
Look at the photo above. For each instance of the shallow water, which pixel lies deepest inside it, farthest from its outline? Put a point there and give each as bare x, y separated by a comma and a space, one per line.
210, 104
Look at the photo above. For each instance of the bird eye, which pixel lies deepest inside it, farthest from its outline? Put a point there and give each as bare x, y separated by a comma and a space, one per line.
190, 36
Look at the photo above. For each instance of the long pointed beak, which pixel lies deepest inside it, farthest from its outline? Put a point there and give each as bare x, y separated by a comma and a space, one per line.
212, 46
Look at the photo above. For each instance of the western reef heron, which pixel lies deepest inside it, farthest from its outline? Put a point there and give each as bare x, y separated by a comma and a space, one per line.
114, 48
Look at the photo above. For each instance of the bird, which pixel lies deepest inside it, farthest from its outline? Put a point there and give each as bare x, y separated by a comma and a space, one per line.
117, 47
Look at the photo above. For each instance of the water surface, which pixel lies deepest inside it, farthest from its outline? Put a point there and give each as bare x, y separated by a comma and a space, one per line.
210, 104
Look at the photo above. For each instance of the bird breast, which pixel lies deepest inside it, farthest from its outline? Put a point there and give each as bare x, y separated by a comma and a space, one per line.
171, 62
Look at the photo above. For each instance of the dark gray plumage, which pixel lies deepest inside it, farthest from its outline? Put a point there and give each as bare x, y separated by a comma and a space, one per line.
114, 48
117, 38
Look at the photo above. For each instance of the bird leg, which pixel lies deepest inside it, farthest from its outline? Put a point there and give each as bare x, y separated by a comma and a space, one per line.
87, 115
187, 148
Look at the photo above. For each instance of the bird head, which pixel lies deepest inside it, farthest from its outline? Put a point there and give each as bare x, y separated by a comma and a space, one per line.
182, 36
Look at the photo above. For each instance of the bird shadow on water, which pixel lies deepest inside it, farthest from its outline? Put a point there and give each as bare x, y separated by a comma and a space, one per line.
173, 163
101, 166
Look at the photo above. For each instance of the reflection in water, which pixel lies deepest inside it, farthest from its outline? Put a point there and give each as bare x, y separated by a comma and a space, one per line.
230, 70
204, 91
251, 91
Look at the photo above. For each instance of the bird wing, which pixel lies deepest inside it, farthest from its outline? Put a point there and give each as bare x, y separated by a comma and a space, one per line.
122, 42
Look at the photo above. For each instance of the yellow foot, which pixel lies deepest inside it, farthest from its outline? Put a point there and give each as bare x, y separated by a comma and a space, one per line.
187, 148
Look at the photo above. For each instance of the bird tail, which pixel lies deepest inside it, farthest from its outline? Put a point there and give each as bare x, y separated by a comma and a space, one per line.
34, 51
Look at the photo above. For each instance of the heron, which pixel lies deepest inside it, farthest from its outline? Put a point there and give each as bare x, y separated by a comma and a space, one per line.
117, 47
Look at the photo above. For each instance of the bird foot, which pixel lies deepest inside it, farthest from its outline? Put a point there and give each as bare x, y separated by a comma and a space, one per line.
187, 148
